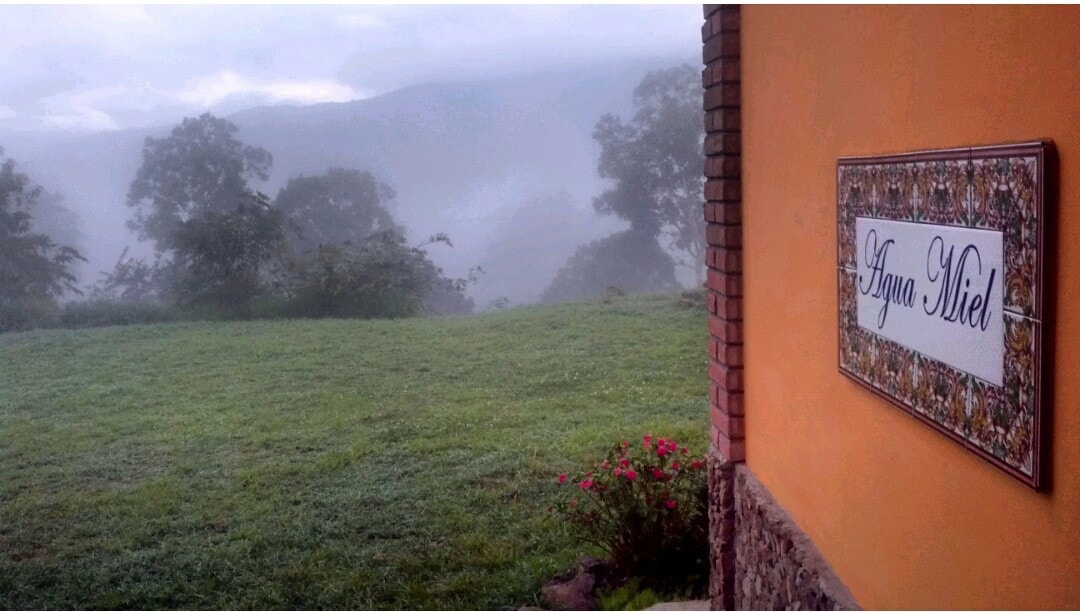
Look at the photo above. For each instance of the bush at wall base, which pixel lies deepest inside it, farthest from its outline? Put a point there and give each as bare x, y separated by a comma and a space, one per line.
645, 506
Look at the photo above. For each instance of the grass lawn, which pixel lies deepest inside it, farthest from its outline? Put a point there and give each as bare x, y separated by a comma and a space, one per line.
333, 463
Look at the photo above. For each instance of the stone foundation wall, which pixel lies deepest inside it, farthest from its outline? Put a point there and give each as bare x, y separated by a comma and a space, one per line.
721, 532
776, 564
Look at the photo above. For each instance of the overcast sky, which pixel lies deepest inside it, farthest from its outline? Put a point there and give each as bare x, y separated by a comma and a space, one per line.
113, 67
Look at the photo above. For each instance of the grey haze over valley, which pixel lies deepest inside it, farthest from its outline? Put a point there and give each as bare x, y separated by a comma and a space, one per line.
480, 118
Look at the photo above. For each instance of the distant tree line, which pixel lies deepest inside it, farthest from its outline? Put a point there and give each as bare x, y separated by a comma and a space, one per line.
326, 246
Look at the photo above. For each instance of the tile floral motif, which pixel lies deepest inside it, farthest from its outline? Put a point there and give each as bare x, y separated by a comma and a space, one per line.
856, 350
941, 192
991, 410
1002, 425
854, 341
861, 196
853, 197
857, 353
1004, 197
941, 394
874, 375
1020, 359
894, 370
848, 313
894, 186
995, 188
1018, 443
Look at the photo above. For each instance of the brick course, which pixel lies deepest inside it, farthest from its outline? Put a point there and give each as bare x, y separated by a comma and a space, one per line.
723, 217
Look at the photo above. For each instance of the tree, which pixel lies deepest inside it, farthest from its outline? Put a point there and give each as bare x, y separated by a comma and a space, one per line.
383, 277
350, 258
630, 260
199, 169
132, 280
34, 270
339, 206
654, 163
221, 258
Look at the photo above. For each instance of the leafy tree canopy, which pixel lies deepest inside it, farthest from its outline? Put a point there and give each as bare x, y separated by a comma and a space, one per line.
31, 265
34, 270
131, 280
221, 257
200, 168
384, 277
654, 162
336, 207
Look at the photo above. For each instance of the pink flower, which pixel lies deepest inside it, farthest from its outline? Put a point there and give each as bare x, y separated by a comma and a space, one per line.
658, 473
586, 484
624, 462
562, 478
605, 465
646, 439
671, 446
630, 475
696, 464
661, 451
618, 471
625, 444
685, 450
675, 465
670, 503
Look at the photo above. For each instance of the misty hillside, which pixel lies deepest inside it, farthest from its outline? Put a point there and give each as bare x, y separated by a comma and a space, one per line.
464, 157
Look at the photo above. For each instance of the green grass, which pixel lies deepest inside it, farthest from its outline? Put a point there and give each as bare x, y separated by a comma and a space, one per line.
333, 463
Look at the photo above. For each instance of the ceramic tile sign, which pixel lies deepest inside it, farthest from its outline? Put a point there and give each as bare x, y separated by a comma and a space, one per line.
941, 291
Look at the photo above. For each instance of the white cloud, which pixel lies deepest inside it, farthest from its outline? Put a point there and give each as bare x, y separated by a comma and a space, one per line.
83, 110
81, 119
209, 90
359, 21
105, 107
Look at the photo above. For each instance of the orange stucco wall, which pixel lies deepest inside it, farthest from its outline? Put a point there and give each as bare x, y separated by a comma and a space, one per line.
906, 517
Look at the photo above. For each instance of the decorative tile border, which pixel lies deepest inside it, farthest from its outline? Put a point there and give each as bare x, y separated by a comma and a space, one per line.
1001, 188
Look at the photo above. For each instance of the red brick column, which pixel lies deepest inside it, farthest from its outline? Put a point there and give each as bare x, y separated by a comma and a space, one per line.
723, 217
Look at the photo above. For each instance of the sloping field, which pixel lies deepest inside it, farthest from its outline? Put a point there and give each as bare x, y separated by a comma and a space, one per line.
333, 463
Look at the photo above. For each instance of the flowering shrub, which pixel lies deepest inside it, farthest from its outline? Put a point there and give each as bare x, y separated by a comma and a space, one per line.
645, 506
